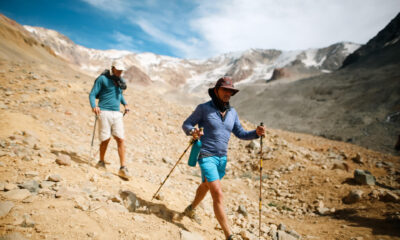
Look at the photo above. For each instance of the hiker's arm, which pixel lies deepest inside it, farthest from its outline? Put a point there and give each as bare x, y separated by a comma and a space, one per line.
241, 133
126, 110
95, 90
123, 100
192, 120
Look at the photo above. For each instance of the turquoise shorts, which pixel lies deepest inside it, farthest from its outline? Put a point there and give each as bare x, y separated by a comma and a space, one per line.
212, 168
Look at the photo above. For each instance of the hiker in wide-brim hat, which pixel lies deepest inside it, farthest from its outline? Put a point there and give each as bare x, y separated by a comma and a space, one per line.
219, 120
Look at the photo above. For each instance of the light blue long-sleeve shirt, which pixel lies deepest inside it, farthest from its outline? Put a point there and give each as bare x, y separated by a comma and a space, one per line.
110, 96
217, 130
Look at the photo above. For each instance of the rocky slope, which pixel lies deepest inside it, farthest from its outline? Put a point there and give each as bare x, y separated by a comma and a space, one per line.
49, 183
50, 189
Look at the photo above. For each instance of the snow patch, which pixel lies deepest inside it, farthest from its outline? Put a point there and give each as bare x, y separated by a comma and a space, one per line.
350, 48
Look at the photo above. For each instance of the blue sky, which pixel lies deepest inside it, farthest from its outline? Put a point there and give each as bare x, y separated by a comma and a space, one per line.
205, 28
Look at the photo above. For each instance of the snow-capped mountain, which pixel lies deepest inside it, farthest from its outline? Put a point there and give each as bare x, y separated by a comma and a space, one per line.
245, 67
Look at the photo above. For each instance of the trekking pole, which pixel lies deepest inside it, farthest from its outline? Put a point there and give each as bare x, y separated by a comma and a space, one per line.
261, 165
190, 144
94, 132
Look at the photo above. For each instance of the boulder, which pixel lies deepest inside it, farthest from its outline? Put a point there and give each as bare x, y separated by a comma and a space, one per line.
63, 160
32, 186
285, 236
185, 235
364, 177
242, 210
353, 197
130, 200
357, 159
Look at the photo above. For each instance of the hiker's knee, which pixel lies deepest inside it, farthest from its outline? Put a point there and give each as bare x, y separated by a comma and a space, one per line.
119, 140
105, 142
202, 188
216, 193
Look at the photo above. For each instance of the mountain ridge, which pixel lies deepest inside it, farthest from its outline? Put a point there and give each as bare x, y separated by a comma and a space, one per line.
246, 66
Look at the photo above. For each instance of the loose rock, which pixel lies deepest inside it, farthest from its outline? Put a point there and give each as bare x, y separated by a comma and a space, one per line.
354, 196
17, 194
5, 208
364, 177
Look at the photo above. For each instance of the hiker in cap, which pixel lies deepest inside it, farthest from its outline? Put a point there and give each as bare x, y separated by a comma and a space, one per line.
218, 119
108, 89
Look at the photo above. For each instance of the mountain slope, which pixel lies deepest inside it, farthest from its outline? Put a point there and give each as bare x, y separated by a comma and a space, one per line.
19, 44
384, 44
353, 104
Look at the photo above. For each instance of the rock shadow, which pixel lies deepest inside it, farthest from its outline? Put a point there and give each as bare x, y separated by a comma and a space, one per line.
139, 205
73, 155
350, 181
378, 226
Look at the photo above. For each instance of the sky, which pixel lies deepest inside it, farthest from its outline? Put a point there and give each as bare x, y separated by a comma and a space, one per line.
200, 29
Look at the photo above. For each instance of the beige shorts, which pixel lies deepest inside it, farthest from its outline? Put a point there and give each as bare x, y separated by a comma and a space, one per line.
110, 123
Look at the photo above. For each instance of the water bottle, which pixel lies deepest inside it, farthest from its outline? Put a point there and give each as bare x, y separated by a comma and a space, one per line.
194, 153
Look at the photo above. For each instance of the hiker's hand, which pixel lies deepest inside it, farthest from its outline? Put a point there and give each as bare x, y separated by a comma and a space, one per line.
96, 110
260, 131
197, 133
126, 111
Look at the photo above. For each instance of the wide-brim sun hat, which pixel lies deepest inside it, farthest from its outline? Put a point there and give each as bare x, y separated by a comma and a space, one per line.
225, 82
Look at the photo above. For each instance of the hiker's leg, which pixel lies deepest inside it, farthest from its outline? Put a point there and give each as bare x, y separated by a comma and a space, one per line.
121, 150
103, 148
218, 198
200, 194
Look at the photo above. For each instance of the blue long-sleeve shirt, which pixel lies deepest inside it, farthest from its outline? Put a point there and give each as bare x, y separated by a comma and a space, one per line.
110, 96
217, 130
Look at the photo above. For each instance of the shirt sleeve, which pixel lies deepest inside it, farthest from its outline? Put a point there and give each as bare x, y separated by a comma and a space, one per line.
95, 90
123, 99
240, 132
192, 120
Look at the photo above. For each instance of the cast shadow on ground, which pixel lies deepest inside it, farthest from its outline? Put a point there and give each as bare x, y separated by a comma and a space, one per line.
139, 205
352, 182
74, 156
378, 226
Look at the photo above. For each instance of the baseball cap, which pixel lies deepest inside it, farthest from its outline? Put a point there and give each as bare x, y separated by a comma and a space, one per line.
118, 65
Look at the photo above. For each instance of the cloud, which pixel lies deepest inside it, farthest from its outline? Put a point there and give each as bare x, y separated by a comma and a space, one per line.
123, 42
289, 25
114, 6
187, 47
200, 29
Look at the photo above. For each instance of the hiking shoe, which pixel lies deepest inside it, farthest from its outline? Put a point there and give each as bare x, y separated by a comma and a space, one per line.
191, 213
123, 172
232, 237
101, 165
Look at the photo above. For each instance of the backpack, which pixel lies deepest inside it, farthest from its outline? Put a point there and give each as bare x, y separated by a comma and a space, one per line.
118, 81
